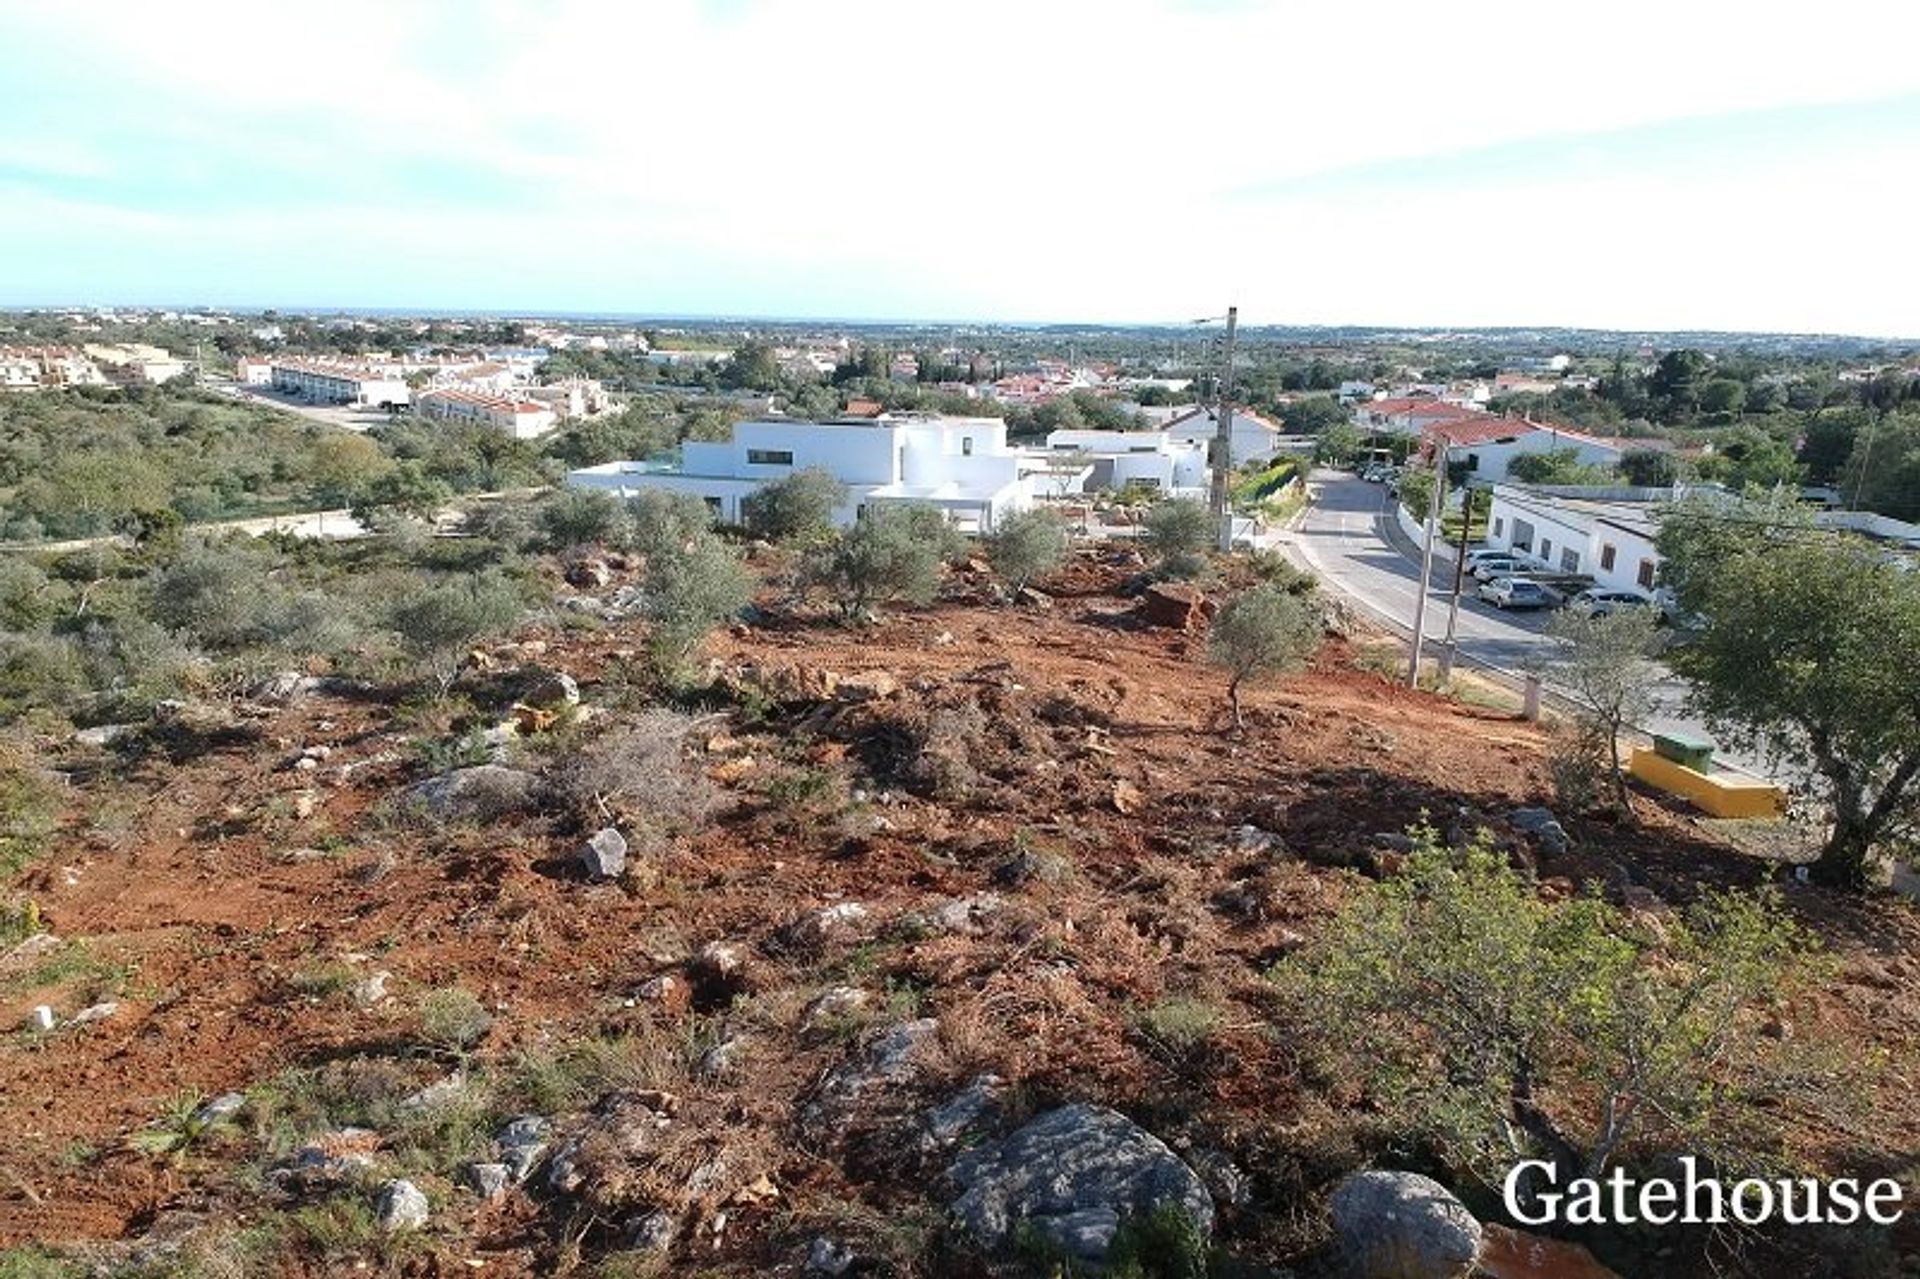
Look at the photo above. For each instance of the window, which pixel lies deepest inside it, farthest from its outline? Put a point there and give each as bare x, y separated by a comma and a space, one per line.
1546, 550
1522, 535
1473, 461
770, 457
1499, 525
713, 504
1606, 557
1645, 576
1570, 561
966, 446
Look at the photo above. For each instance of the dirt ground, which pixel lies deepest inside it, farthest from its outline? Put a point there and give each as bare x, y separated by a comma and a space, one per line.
224, 895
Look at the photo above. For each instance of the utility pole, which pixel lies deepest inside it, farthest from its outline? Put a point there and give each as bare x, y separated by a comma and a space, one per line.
1426, 561
1222, 450
1459, 579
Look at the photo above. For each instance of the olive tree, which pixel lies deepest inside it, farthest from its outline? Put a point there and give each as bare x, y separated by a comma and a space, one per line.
1027, 545
1264, 631
1179, 532
577, 517
1805, 649
1606, 665
797, 508
662, 523
440, 621
691, 589
891, 553
1513, 1026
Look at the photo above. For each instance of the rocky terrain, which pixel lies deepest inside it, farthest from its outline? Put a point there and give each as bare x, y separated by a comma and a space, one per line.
936, 946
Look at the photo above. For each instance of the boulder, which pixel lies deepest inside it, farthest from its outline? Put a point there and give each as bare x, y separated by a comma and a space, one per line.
1176, 605
833, 1004
866, 686
1028, 597
522, 1142
966, 1112
589, 574
1543, 826
482, 793
489, 1180
400, 1205
605, 855
652, 1233
1074, 1175
829, 1257
840, 921
1401, 1225
219, 1109
549, 690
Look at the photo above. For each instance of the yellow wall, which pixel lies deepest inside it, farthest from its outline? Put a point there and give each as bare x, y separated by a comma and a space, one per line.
1722, 795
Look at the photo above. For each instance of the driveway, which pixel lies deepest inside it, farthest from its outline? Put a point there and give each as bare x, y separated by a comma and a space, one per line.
1344, 538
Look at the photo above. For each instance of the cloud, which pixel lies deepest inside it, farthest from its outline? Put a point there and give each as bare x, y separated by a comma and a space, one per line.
1125, 160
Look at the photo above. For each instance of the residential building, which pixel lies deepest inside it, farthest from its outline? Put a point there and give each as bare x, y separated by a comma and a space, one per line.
36, 368
327, 382
1488, 444
515, 417
1137, 459
136, 364
253, 372
961, 465
1410, 414
574, 397
1609, 537
1253, 438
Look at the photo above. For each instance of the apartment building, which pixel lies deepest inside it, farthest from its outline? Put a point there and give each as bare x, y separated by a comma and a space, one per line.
327, 382
513, 416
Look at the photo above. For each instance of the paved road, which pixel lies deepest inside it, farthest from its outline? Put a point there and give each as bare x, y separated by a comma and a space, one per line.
1344, 539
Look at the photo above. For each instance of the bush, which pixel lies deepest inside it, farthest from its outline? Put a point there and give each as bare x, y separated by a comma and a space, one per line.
636, 776
438, 623
892, 553
1179, 533
453, 1018
798, 508
662, 523
1265, 631
1027, 545
577, 517
689, 592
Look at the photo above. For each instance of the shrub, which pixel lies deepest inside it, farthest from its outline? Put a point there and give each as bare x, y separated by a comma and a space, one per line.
577, 517
453, 1018
440, 621
636, 775
1179, 533
28, 599
1261, 632
689, 592
795, 509
1507, 1025
662, 523
892, 553
1027, 545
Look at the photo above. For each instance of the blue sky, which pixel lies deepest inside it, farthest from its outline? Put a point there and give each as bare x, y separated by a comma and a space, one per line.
1647, 165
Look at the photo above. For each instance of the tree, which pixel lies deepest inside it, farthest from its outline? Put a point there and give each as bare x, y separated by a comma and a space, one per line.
1828, 439
1675, 384
752, 367
1758, 460
1510, 1027
1606, 664
1262, 632
1806, 650
1338, 443
577, 517
796, 508
1556, 466
1648, 468
342, 463
891, 553
404, 491
1723, 395
1179, 532
438, 623
1415, 488
1315, 415
1026, 545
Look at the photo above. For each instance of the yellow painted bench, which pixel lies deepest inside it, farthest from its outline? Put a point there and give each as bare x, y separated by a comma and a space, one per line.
1721, 794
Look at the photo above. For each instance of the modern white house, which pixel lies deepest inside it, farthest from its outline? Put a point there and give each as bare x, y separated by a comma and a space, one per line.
1608, 538
1253, 438
1410, 414
513, 416
331, 383
1488, 444
961, 465
1136, 459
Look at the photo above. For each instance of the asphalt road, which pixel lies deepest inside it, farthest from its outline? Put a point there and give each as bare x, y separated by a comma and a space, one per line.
1344, 539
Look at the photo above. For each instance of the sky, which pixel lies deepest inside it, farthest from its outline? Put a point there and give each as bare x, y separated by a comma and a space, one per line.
1640, 165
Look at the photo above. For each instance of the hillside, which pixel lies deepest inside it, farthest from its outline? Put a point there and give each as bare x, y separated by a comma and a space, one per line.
869, 868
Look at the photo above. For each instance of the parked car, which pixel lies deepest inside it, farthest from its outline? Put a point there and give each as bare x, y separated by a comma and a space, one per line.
1601, 601
1518, 592
1500, 566
1477, 553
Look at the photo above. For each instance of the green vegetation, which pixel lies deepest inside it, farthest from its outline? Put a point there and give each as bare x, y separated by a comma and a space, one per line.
893, 552
1179, 533
1262, 632
1606, 664
798, 508
1806, 650
1508, 1026
1256, 484
1027, 545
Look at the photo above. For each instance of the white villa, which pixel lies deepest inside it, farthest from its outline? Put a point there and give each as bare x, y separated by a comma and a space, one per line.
1488, 444
1609, 538
960, 464
1136, 459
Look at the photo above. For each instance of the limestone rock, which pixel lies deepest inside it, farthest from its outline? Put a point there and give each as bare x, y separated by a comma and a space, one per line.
400, 1205
1401, 1225
605, 855
481, 793
1073, 1175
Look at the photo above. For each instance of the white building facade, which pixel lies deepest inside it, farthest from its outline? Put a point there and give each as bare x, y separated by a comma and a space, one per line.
330, 383
1609, 540
1136, 459
1489, 446
516, 418
960, 465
